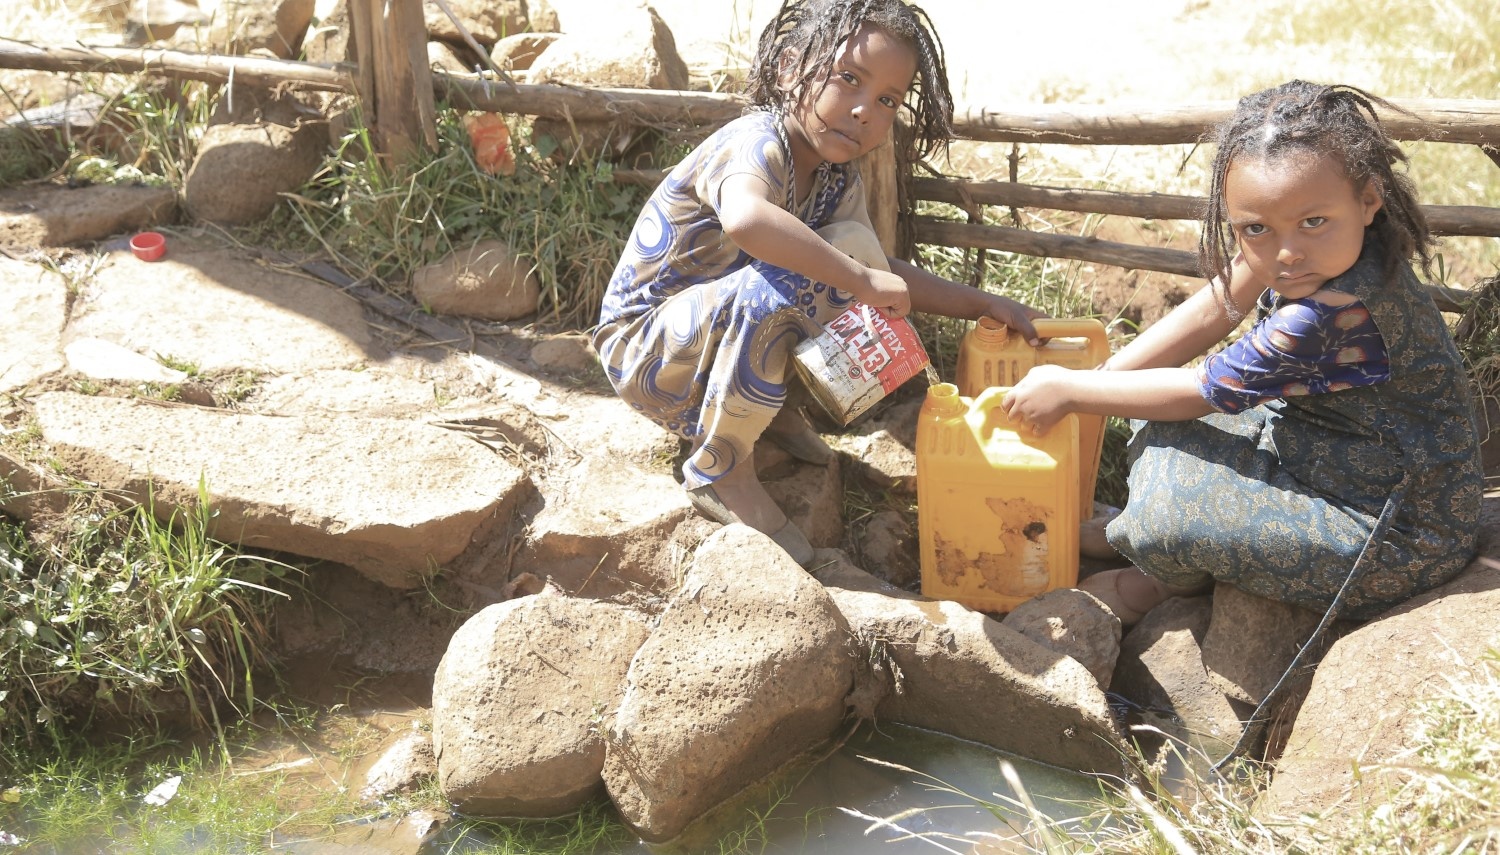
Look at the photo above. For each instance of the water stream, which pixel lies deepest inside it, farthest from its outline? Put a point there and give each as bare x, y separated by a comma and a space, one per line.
931, 784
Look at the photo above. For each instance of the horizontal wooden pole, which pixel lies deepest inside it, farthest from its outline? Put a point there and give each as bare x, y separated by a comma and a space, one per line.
1458, 220
1007, 239
553, 101
1450, 120
1129, 256
249, 70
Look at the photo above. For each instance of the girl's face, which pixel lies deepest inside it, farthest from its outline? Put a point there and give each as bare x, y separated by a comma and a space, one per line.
853, 110
1298, 219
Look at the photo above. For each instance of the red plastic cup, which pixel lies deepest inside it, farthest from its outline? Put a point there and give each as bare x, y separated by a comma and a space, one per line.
149, 246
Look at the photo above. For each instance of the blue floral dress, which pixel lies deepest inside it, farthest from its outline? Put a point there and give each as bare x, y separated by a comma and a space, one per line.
696, 334
1324, 412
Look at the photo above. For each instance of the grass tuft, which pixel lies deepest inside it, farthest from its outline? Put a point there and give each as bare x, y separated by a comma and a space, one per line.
112, 612
570, 221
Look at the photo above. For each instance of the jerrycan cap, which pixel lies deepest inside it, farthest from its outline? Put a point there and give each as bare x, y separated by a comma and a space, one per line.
943, 400
991, 331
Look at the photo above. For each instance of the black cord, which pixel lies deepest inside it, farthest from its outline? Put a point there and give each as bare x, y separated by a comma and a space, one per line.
1258, 720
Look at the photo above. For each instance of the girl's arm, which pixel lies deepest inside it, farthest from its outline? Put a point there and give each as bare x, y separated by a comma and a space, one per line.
933, 293
774, 235
1188, 331
1049, 392
1145, 380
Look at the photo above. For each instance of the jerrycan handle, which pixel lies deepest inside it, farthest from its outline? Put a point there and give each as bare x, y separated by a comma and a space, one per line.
988, 404
1089, 328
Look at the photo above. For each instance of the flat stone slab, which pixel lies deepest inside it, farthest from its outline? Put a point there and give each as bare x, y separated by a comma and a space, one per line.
57, 215
391, 499
200, 305
31, 337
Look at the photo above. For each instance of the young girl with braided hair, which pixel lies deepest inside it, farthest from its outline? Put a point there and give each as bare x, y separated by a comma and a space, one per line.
725, 272
1343, 412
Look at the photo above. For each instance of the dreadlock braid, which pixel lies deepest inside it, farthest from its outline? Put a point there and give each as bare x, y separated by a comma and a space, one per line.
798, 47
1326, 120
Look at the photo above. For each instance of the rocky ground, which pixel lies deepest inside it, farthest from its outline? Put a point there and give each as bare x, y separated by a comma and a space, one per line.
493, 531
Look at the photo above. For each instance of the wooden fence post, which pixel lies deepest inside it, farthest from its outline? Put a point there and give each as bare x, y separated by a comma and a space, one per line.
878, 170
394, 79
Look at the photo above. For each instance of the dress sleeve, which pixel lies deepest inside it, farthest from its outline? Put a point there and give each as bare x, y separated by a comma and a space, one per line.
1301, 348
749, 145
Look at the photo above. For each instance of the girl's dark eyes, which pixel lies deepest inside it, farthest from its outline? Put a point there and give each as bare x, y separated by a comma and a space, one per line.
1314, 222
848, 77
890, 102
1252, 230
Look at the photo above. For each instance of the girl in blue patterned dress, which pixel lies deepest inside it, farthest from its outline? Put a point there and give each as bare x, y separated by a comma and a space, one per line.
724, 272
1268, 465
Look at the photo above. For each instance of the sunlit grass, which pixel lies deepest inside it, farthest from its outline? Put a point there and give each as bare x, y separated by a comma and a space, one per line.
112, 611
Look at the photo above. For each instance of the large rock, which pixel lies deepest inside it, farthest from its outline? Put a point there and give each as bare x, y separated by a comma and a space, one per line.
748, 669
390, 499
607, 530
487, 21
1161, 670
1074, 623
630, 48
196, 304
31, 337
520, 699
55, 215
276, 26
486, 280
241, 170
1251, 640
966, 675
881, 449
1365, 703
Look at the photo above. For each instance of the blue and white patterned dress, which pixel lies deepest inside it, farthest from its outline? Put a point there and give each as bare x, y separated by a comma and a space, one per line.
1277, 493
696, 334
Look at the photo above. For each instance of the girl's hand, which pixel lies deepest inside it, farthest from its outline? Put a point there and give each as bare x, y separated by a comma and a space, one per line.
1041, 398
886, 292
1015, 315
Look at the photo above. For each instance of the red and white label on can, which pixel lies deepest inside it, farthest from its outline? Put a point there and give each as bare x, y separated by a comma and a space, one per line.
860, 357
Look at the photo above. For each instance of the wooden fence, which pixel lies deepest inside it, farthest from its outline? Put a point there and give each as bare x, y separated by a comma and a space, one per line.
1456, 122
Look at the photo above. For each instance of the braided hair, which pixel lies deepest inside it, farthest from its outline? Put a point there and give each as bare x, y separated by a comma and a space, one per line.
805, 37
1298, 118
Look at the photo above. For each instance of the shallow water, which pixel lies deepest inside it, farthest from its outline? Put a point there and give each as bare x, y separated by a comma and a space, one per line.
831, 808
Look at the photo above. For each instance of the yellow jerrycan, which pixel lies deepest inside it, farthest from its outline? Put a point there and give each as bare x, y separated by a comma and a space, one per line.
991, 356
997, 506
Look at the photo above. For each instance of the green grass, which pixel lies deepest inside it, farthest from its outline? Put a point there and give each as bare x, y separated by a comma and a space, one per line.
113, 613
570, 220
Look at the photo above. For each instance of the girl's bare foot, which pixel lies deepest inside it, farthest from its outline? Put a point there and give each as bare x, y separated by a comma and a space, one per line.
1128, 592
1091, 540
739, 497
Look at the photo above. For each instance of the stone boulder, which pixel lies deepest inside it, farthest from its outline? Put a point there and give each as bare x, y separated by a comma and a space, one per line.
55, 215
277, 27
392, 499
701, 721
488, 21
241, 170
403, 765
1074, 623
1365, 700
486, 280
521, 699
629, 49
1161, 672
606, 529
965, 674
881, 449
517, 52
1251, 640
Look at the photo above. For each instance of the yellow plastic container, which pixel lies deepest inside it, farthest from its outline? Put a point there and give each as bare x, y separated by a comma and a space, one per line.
990, 356
997, 507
